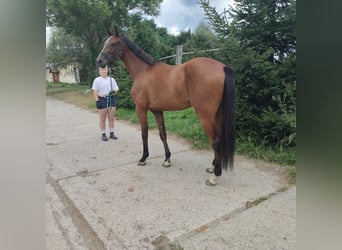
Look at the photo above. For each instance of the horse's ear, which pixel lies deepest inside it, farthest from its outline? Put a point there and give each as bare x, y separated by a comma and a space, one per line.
109, 32
116, 31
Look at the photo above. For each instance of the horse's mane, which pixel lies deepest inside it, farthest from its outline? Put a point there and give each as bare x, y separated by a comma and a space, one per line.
138, 51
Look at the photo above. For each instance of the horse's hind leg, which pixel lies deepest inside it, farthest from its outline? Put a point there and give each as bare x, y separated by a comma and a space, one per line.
215, 146
162, 133
142, 114
207, 121
210, 169
216, 169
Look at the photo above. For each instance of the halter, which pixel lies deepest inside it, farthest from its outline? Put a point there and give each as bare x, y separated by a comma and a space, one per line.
116, 56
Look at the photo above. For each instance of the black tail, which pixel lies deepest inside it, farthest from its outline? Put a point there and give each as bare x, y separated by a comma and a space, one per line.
226, 146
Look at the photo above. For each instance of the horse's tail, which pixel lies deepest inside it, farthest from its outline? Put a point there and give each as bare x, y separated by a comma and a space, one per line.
226, 143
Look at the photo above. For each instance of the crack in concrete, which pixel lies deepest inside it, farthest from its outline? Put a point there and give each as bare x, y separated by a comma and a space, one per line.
57, 218
90, 238
166, 243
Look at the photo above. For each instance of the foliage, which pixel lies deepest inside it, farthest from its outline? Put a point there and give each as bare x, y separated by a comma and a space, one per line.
266, 24
200, 42
89, 20
64, 49
119, 72
259, 41
145, 34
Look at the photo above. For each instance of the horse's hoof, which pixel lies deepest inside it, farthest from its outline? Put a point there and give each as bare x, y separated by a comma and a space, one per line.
166, 164
210, 170
141, 163
209, 183
212, 180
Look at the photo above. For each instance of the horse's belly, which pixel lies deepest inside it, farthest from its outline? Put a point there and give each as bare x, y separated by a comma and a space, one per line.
169, 105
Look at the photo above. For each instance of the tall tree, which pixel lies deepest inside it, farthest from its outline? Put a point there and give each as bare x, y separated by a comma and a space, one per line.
64, 49
266, 24
259, 39
90, 19
200, 42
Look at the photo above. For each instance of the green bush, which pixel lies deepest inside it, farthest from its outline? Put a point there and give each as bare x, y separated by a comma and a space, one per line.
125, 83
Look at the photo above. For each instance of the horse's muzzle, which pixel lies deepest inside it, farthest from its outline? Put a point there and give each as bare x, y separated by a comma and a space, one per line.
101, 61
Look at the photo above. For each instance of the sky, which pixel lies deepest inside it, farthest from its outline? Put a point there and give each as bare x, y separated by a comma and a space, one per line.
180, 15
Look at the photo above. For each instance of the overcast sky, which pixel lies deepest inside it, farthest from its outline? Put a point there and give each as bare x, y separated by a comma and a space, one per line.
180, 15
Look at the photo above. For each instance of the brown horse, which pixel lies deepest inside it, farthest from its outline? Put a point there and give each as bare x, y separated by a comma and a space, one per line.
204, 83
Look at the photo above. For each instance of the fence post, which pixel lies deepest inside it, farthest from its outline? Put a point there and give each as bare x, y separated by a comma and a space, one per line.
179, 54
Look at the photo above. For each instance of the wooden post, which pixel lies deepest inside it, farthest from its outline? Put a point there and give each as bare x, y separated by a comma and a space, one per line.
179, 54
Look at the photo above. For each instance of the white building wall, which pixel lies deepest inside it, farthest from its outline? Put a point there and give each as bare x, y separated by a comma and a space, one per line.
67, 74
48, 75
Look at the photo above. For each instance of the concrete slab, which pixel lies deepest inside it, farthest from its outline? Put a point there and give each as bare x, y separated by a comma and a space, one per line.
138, 204
269, 225
111, 200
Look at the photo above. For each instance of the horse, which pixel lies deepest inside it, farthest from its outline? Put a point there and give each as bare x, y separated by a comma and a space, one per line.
203, 83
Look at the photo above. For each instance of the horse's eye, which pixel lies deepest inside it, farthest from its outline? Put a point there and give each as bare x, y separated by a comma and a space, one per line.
114, 44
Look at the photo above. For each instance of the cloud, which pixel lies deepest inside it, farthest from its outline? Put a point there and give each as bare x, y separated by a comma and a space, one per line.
181, 15
189, 3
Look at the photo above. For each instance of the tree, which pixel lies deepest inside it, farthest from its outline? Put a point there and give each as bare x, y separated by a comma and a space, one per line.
145, 34
64, 49
200, 41
259, 40
266, 24
90, 19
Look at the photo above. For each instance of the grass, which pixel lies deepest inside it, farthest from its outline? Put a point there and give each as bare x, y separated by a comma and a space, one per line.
183, 123
79, 95
276, 154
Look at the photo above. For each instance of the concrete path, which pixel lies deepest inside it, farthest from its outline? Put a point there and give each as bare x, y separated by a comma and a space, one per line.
98, 198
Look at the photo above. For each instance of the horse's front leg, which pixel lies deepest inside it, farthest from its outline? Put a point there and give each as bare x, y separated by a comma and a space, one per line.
162, 133
142, 114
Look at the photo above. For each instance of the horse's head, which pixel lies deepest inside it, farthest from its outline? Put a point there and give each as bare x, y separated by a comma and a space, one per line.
112, 49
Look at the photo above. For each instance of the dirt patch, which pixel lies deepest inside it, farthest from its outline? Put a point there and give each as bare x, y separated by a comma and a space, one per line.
163, 243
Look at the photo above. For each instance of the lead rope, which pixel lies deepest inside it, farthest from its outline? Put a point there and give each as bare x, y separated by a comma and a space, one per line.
111, 90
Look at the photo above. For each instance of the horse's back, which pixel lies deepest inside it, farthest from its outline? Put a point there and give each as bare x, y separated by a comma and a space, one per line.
205, 65
205, 73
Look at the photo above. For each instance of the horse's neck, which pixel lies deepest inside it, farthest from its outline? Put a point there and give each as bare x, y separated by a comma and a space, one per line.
133, 64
